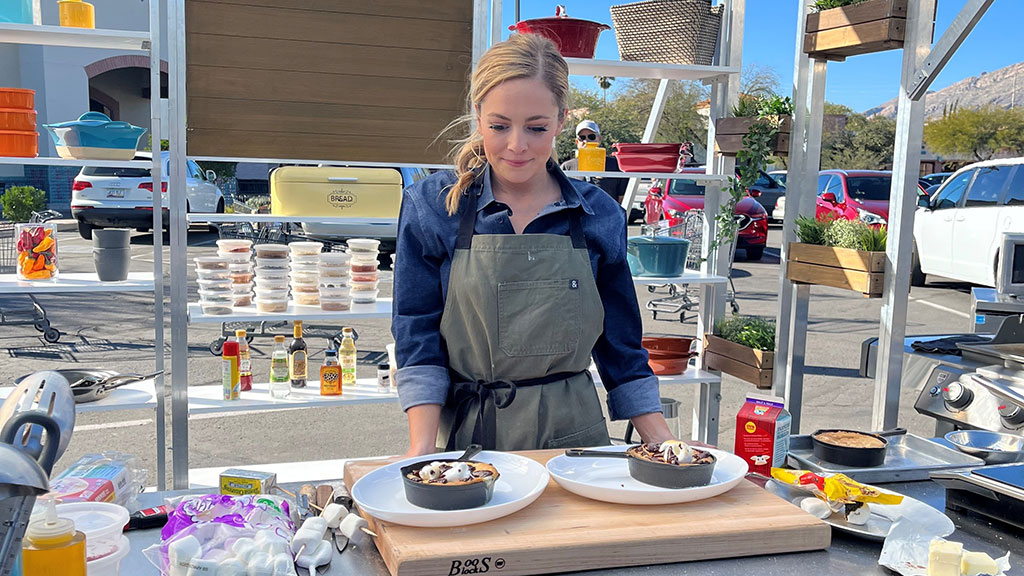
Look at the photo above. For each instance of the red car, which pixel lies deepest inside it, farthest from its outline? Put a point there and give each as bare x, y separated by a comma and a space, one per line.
686, 195
856, 195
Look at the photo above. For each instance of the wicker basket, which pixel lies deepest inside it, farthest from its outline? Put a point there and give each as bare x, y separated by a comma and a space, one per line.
667, 31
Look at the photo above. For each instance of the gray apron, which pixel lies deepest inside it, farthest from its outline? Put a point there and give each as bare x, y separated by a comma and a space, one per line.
520, 322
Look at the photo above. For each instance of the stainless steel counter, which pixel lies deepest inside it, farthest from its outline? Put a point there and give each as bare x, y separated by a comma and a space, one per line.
847, 555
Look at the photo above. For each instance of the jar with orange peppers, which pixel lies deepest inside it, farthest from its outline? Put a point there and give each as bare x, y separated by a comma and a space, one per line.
37, 251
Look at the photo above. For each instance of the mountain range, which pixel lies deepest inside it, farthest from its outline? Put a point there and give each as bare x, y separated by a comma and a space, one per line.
1003, 88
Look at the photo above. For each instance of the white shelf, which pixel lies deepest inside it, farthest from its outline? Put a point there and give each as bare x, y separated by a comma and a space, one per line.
135, 396
43, 161
689, 277
74, 37
620, 69
698, 177
210, 399
379, 309
218, 217
71, 282
692, 375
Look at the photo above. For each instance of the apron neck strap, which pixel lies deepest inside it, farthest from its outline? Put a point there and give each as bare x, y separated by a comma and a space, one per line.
467, 221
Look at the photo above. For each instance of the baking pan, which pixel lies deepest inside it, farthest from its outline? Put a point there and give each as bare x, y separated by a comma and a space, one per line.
908, 458
441, 497
658, 474
855, 457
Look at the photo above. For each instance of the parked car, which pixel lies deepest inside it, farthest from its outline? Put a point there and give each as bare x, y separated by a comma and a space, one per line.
638, 210
937, 178
856, 195
779, 214
779, 175
123, 197
686, 195
766, 191
958, 230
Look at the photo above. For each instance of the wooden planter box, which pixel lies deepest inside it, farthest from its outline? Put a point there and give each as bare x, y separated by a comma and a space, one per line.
745, 363
729, 134
855, 270
872, 26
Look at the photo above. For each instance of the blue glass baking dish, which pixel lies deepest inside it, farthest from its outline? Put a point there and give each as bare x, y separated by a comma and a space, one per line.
656, 255
94, 136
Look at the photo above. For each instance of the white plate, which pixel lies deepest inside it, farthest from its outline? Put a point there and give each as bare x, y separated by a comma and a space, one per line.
882, 517
381, 493
608, 479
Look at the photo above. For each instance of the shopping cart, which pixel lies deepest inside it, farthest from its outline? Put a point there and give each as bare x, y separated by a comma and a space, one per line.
683, 299
33, 312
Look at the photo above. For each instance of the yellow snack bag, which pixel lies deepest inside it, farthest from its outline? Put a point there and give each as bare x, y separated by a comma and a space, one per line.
835, 489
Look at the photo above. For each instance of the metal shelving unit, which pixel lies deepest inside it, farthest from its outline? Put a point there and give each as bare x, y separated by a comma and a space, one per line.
379, 309
133, 396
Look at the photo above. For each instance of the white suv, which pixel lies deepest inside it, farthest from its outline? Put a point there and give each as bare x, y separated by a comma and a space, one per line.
123, 197
959, 229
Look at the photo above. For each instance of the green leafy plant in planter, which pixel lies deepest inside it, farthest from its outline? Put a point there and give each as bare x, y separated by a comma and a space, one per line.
750, 331
829, 4
19, 202
852, 234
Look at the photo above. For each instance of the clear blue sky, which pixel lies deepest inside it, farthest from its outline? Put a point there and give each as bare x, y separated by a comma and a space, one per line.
861, 82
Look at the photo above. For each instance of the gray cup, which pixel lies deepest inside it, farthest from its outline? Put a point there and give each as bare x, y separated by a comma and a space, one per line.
111, 238
111, 263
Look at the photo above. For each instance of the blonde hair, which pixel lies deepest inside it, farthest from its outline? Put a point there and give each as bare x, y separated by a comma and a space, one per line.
521, 56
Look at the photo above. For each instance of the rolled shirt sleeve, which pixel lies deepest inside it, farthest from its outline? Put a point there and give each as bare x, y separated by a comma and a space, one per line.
621, 360
422, 376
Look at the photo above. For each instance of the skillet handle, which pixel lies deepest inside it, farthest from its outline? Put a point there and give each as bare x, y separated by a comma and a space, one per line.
893, 432
581, 453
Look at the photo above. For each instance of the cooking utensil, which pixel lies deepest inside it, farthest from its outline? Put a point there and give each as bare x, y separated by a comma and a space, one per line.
340, 541
852, 455
575, 38
47, 393
444, 497
992, 447
660, 474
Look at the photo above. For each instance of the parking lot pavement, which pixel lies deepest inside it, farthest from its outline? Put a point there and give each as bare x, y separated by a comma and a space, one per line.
116, 331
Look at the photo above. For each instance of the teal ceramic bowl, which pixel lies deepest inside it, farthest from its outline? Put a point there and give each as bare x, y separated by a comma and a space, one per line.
656, 255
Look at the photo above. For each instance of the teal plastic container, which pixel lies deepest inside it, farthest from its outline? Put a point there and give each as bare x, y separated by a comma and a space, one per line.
16, 11
656, 255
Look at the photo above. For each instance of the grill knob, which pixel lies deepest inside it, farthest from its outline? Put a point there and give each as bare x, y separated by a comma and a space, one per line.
957, 397
1012, 415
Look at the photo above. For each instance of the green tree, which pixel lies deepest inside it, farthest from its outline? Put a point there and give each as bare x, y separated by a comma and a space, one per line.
19, 202
604, 83
979, 133
864, 144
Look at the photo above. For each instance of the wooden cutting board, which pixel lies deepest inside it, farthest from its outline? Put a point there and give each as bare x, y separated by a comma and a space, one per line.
563, 532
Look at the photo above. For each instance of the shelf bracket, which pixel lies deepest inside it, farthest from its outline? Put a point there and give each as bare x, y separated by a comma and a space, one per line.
944, 49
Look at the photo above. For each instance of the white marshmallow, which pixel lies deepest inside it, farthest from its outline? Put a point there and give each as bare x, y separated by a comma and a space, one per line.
333, 514
270, 542
243, 549
231, 567
352, 527
815, 507
316, 524
458, 472
859, 517
180, 554
307, 538
319, 557
283, 565
261, 564
428, 473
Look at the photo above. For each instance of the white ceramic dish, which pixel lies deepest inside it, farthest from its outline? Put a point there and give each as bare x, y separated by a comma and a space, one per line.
382, 494
608, 479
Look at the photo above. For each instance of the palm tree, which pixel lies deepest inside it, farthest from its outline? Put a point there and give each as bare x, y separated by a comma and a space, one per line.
604, 82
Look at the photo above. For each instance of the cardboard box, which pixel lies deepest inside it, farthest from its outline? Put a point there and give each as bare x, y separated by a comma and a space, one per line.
238, 482
762, 433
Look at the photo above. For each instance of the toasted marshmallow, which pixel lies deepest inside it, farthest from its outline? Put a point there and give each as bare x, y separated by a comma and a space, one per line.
458, 472
681, 450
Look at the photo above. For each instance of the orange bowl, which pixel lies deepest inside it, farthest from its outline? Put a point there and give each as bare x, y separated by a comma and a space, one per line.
18, 98
678, 344
17, 120
22, 144
668, 363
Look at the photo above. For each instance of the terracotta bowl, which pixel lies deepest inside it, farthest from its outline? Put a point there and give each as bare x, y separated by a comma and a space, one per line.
678, 344
668, 363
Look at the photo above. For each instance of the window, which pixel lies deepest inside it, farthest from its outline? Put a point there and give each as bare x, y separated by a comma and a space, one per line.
1014, 195
686, 188
869, 187
117, 172
987, 186
764, 181
950, 194
823, 182
835, 186
194, 171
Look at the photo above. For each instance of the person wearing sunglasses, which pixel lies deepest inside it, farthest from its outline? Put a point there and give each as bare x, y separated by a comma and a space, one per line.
588, 131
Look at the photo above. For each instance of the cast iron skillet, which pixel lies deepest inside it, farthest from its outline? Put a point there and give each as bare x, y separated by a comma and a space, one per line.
443, 497
852, 456
658, 474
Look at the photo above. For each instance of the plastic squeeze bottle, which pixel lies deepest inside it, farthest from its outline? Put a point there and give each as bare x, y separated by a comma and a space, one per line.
280, 385
52, 546
591, 158
347, 355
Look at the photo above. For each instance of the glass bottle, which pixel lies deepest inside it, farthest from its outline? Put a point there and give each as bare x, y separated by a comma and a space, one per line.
297, 357
279, 371
384, 378
330, 374
347, 355
244, 362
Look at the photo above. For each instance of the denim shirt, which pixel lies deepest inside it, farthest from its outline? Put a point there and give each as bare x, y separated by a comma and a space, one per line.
426, 245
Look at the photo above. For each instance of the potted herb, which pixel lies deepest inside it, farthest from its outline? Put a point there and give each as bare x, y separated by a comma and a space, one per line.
846, 254
773, 116
841, 28
743, 346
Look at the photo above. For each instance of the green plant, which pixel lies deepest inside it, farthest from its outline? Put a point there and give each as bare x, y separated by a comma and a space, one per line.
751, 331
812, 230
19, 202
257, 202
855, 235
820, 5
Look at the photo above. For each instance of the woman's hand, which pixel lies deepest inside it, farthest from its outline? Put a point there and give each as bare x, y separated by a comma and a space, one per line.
423, 422
652, 428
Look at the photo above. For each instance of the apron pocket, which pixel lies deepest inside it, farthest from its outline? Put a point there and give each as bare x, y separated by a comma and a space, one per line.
538, 318
595, 435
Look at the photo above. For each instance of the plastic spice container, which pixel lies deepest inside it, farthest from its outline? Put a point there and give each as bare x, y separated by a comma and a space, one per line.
271, 250
223, 274
275, 284
304, 277
334, 291
215, 295
304, 268
102, 524
215, 308
364, 297
211, 263
241, 274
236, 257
364, 257
335, 304
234, 245
214, 285
305, 259
239, 300
303, 287
271, 305
271, 262
365, 276
242, 288
333, 259
305, 248
307, 298
110, 564
333, 272
271, 273
265, 294
359, 245
363, 267
362, 286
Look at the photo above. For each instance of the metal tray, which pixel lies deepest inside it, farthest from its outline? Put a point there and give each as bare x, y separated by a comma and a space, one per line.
907, 459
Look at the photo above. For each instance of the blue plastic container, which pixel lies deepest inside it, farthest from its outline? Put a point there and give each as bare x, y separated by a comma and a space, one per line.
95, 137
16, 11
657, 255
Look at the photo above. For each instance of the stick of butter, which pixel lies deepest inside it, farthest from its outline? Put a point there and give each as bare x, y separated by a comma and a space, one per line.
944, 558
974, 563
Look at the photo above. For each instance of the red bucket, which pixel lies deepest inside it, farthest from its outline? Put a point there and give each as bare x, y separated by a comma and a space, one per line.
574, 38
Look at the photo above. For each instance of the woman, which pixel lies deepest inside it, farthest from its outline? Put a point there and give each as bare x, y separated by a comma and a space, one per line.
509, 277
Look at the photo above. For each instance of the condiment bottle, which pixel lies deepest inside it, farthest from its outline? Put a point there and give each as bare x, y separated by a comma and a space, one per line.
297, 357
384, 378
330, 374
244, 362
279, 371
347, 353
52, 547
591, 158
229, 370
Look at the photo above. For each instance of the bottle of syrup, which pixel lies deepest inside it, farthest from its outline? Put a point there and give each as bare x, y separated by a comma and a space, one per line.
52, 547
297, 357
